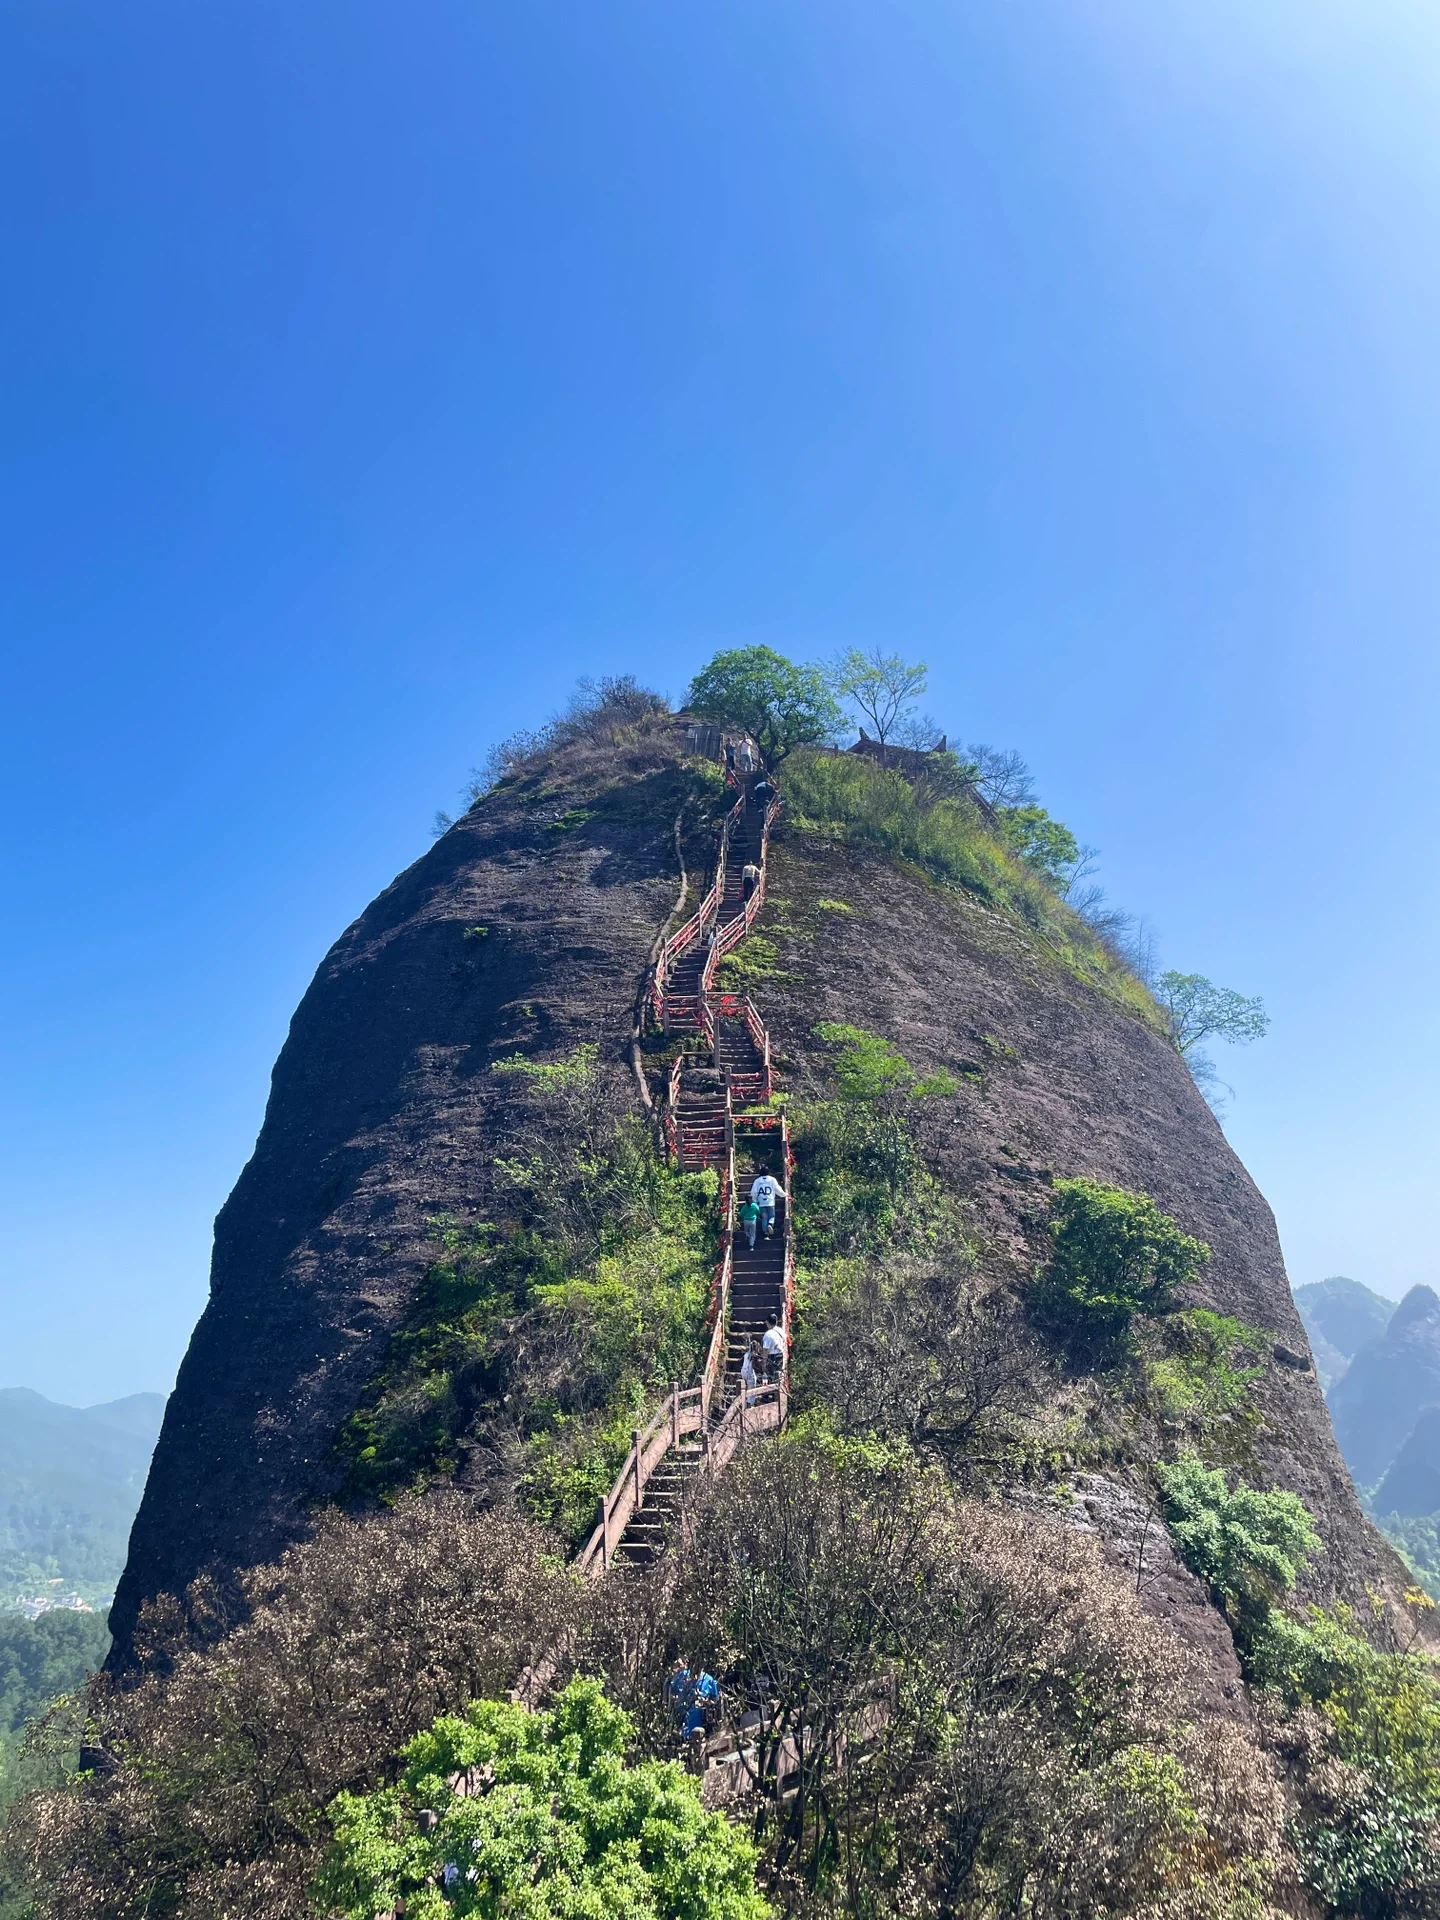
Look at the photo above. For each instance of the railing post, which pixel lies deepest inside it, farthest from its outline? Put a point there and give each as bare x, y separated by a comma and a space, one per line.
639, 1483
604, 1534
675, 1413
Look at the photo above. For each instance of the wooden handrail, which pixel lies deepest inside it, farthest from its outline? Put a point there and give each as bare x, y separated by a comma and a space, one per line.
687, 1410
709, 906
715, 1352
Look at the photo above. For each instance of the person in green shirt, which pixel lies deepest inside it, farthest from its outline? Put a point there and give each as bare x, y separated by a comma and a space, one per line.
749, 1219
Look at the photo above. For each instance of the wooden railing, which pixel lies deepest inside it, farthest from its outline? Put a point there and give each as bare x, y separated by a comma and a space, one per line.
682, 1413
695, 926
761, 1410
670, 1112
735, 930
687, 1410
713, 1371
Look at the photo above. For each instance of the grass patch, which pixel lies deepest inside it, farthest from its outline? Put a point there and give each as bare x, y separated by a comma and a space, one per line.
850, 798
1202, 1375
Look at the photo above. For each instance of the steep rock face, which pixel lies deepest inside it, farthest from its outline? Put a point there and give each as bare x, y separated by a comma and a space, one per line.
527, 927
383, 1115
1057, 1080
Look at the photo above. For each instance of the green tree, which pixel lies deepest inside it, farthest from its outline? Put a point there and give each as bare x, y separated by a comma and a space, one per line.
1116, 1255
781, 706
1249, 1547
1046, 846
881, 687
1197, 1010
556, 1826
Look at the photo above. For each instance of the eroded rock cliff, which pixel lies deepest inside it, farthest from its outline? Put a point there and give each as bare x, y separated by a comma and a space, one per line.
529, 927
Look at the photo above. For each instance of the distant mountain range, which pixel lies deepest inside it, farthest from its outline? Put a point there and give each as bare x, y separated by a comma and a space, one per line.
70, 1482
1340, 1317
1380, 1366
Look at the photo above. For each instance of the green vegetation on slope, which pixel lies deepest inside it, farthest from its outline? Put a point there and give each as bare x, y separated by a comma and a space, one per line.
1117, 1257
548, 1332
936, 825
1364, 1768
40, 1660
560, 1811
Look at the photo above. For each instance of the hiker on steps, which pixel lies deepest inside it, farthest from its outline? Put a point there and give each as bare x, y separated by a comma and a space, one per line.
749, 1221
750, 875
774, 1348
680, 1691
765, 1191
749, 1372
762, 793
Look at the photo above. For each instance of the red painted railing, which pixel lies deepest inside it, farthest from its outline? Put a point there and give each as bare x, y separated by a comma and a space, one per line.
695, 926
687, 1410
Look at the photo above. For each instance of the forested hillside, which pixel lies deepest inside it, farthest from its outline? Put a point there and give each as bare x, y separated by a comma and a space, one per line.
70, 1481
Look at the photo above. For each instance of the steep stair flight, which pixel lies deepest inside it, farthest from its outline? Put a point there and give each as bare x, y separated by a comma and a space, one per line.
715, 1115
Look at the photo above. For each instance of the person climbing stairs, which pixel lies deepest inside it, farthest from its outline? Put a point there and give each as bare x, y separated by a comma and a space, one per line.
706, 1097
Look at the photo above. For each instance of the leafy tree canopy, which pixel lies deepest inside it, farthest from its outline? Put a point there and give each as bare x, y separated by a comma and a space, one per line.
40, 1659
754, 689
558, 1827
1046, 846
1197, 1010
881, 687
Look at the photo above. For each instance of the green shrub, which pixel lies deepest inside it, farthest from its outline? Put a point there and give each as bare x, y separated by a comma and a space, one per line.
1045, 845
861, 1183
1368, 1829
1203, 1375
1117, 1255
561, 1827
1248, 1546
552, 1329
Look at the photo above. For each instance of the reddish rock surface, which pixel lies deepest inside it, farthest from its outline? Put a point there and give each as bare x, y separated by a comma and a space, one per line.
530, 926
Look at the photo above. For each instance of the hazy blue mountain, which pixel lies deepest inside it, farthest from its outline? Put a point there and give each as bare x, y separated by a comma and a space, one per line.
1411, 1486
70, 1481
1341, 1317
1386, 1387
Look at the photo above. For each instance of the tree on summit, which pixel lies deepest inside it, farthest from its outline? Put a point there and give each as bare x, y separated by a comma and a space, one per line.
758, 691
881, 687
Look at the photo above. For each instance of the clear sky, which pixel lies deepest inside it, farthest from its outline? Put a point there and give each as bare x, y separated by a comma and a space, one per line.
373, 370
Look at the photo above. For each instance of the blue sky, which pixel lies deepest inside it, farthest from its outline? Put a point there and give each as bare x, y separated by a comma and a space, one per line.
373, 371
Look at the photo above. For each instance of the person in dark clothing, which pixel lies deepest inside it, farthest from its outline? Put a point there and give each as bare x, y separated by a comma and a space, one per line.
762, 792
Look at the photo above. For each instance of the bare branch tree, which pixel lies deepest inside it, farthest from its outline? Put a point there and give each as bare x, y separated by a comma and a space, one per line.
881, 687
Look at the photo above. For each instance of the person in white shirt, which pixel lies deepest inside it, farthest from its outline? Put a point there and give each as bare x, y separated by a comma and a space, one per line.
774, 1345
765, 1191
749, 1380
